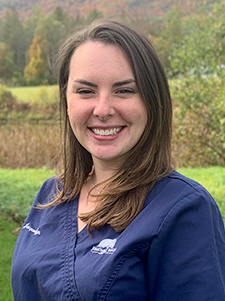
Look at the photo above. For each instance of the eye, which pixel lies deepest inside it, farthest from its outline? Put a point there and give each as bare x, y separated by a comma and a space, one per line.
125, 92
85, 92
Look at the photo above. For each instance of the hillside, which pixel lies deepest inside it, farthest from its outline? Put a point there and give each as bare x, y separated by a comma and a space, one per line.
108, 8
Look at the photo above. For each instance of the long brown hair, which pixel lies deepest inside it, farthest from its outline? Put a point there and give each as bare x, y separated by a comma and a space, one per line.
122, 197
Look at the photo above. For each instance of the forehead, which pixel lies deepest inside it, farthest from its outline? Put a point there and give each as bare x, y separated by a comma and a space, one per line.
94, 56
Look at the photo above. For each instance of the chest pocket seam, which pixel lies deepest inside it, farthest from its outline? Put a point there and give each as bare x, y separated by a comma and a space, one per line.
111, 279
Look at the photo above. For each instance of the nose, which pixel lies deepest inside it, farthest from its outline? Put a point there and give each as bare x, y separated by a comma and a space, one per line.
104, 108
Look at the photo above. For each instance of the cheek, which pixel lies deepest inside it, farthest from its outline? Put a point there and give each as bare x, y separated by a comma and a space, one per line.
78, 115
137, 115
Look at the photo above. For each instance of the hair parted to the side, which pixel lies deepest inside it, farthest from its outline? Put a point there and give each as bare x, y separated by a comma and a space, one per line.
149, 160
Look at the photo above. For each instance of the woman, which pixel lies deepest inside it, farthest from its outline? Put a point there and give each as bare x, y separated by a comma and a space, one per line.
119, 222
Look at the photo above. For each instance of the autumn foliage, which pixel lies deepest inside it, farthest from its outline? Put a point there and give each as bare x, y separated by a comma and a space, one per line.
36, 69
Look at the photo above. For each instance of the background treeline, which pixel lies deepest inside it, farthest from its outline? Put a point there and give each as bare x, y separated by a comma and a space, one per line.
28, 49
187, 44
108, 8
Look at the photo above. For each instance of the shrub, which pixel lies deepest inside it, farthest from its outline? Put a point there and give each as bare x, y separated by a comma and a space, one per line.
7, 101
45, 105
199, 121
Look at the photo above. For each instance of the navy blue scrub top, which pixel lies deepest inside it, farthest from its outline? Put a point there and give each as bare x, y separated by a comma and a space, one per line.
174, 250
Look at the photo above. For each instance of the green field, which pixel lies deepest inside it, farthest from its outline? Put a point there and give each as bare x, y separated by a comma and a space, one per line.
19, 187
17, 191
27, 94
7, 241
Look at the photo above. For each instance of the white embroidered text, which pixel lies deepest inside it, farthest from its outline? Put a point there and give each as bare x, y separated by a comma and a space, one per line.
106, 246
29, 228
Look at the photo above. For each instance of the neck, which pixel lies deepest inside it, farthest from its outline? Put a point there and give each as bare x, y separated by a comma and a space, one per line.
102, 171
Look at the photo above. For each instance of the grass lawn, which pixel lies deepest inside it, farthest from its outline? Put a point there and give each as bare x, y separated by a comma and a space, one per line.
19, 187
7, 241
17, 191
27, 94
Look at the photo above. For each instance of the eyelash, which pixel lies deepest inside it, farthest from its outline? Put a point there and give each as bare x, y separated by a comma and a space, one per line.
84, 91
123, 92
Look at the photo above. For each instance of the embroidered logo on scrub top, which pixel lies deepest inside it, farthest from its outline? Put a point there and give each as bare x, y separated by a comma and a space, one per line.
29, 228
106, 246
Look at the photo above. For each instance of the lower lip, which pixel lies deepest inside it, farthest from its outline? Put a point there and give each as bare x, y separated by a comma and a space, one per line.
106, 138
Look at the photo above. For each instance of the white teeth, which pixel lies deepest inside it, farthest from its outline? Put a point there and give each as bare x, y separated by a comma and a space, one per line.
107, 132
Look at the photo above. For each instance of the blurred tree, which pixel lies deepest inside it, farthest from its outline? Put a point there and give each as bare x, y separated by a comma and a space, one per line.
52, 33
67, 20
1, 28
93, 15
199, 120
142, 23
202, 51
170, 36
59, 14
35, 70
30, 24
7, 66
13, 36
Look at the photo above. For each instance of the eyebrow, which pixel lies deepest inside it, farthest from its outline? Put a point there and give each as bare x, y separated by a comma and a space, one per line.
124, 82
117, 84
84, 82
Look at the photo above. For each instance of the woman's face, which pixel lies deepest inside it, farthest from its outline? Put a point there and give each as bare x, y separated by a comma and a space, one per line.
105, 109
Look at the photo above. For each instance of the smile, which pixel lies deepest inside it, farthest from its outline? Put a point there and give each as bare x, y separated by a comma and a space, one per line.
108, 132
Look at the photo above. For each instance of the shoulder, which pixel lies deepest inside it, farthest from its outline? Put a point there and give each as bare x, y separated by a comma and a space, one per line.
48, 190
181, 180
177, 196
178, 181
177, 187
37, 215
190, 191
179, 206
188, 246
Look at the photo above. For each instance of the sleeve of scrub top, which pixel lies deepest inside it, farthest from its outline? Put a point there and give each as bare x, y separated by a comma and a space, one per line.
187, 258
